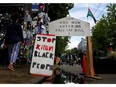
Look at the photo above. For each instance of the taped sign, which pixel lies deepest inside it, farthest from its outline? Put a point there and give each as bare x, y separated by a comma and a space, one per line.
43, 55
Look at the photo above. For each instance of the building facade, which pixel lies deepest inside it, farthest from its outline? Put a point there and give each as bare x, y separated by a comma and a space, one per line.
83, 45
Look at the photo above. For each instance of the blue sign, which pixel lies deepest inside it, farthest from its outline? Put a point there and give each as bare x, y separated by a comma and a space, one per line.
35, 7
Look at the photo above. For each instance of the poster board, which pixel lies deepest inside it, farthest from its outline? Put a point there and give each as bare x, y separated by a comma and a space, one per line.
69, 26
43, 55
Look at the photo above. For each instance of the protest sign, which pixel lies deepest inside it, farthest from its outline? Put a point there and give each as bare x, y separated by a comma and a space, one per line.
43, 55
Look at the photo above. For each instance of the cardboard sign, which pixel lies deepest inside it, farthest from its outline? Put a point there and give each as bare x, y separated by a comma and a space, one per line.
43, 55
69, 26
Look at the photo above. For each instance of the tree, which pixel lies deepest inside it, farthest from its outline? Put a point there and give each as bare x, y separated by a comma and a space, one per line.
112, 24
99, 37
104, 32
61, 44
57, 11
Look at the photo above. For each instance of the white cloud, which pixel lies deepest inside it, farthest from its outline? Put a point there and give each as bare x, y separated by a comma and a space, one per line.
80, 12
74, 41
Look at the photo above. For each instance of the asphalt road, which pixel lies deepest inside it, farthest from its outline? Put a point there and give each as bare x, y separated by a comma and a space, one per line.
76, 69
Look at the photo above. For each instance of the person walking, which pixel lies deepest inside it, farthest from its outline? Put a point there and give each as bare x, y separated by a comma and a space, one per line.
13, 39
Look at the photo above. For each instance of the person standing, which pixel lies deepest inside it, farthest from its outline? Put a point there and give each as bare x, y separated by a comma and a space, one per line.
28, 35
13, 39
81, 58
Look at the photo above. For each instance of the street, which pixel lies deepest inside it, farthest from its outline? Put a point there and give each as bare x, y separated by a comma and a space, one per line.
75, 69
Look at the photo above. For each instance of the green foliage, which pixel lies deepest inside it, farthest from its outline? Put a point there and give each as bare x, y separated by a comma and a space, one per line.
74, 51
57, 11
104, 32
112, 24
61, 43
71, 51
99, 37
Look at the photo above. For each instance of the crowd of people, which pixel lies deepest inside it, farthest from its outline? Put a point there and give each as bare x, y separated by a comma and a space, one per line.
73, 59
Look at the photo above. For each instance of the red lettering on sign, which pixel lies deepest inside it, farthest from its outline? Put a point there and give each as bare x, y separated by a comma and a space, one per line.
38, 46
49, 40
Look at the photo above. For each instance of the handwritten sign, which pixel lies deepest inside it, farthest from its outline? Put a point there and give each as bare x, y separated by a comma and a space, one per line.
69, 26
43, 55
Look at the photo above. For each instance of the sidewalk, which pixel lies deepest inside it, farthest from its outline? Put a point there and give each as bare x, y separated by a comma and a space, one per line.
107, 79
21, 75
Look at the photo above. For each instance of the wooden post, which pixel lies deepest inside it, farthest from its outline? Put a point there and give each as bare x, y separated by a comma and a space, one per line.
90, 68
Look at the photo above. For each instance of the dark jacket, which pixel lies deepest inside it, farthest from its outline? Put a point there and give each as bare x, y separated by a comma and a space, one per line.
14, 33
81, 58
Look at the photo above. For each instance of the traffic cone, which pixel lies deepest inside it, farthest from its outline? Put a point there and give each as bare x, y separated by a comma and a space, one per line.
84, 65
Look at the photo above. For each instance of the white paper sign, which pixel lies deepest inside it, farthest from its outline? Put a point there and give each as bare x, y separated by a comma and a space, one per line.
69, 26
43, 55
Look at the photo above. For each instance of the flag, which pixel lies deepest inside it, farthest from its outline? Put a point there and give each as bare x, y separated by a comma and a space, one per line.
91, 15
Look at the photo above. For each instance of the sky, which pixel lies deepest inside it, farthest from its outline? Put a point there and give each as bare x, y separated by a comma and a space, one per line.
79, 11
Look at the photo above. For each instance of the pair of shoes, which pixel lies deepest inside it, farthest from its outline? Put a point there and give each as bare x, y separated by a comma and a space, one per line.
11, 68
